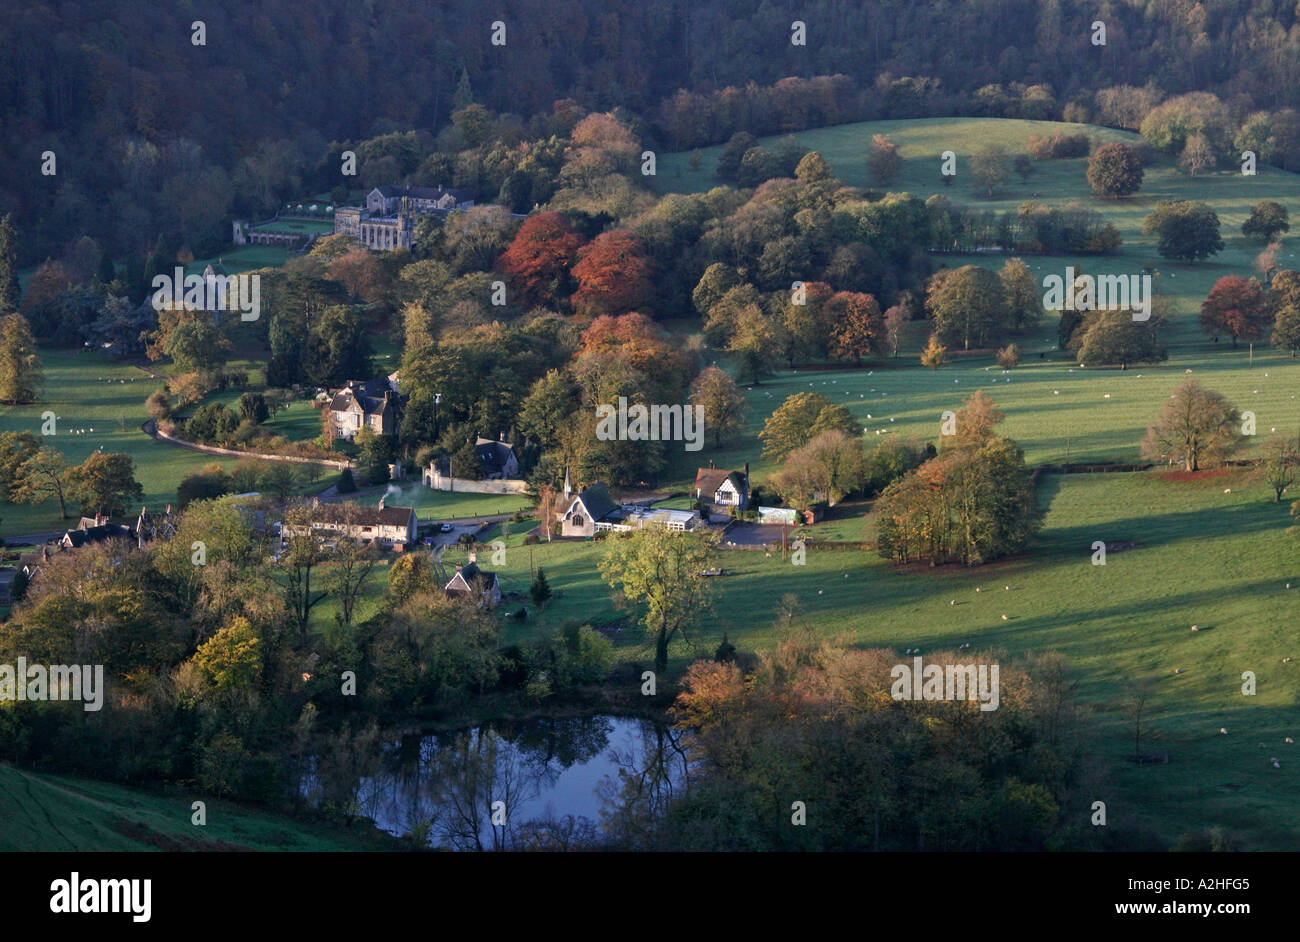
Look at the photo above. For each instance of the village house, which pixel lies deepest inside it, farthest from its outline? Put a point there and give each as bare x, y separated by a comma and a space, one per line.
593, 510
94, 529
393, 527
726, 491
374, 404
497, 458
472, 582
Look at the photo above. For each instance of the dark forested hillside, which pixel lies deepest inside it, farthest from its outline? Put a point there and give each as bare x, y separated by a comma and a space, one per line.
148, 126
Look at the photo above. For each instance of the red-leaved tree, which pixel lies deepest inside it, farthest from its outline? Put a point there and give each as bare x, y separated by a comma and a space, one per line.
537, 262
1237, 307
613, 274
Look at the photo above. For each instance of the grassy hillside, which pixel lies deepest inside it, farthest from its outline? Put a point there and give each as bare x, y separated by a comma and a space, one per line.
56, 813
1054, 183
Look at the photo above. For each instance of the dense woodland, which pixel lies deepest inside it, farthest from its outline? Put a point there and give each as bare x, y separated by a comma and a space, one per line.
154, 135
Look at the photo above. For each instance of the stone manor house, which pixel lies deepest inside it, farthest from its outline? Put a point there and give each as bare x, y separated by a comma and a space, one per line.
387, 221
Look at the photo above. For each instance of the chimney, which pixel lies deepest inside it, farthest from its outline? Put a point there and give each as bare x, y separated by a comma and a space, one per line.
503, 436
473, 557
458, 567
710, 464
315, 502
747, 474
381, 503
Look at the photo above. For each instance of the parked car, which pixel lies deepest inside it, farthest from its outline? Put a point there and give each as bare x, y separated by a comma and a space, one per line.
445, 528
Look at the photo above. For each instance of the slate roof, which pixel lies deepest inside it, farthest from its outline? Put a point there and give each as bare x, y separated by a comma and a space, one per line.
476, 578
362, 516
597, 501
423, 193
493, 455
372, 396
107, 531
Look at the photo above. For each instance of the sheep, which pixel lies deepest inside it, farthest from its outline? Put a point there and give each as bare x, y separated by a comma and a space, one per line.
1007, 587
1196, 627
1289, 740
1223, 731
1178, 670
1004, 617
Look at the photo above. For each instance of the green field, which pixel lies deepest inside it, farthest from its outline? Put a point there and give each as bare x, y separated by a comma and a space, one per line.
1054, 183
58, 813
87, 391
1217, 560
1054, 409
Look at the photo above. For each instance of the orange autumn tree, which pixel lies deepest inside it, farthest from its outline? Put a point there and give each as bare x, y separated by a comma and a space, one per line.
538, 260
639, 343
613, 275
859, 328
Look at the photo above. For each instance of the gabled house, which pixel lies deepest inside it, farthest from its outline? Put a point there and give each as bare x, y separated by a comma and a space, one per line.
723, 489
585, 510
472, 582
498, 459
83, 535
594, 510
374, 404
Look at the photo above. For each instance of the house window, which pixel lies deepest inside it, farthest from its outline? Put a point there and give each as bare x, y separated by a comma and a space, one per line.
577, 520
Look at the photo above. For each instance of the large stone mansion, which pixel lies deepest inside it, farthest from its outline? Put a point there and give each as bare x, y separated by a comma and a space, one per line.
387, 221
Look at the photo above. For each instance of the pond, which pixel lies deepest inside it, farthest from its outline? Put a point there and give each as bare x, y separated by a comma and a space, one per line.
551, 782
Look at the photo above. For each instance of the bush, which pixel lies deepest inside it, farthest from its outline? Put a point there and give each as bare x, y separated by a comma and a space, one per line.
1058, 146
245, 432
531, 539
213, 423
346, 485
1009, 357
158, 405
206, 484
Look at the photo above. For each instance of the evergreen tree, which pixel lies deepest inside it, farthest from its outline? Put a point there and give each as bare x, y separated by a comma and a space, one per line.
9, 293
540, 590
20, 366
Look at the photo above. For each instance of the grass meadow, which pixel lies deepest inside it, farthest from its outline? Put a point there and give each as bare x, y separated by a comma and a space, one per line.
60, 813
